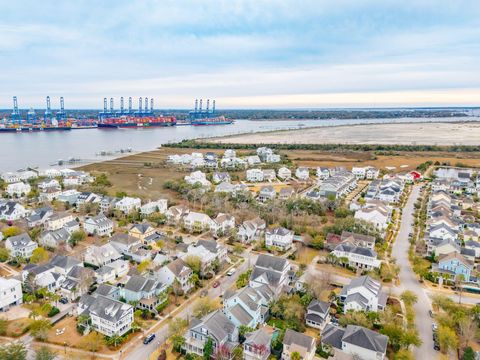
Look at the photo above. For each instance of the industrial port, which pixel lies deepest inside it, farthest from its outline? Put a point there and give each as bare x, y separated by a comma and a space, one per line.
126, 117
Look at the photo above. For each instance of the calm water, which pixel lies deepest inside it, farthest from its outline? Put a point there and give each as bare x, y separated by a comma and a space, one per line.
44, 148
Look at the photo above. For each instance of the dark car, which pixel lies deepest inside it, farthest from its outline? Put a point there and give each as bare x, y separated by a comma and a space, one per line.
430, 313
436, 346
216, 284
149, 339
64, 300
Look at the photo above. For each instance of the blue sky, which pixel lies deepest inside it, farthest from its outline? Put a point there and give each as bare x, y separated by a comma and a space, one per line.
245, 54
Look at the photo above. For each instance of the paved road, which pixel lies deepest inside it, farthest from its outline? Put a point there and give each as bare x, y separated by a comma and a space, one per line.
143, 352
409, 281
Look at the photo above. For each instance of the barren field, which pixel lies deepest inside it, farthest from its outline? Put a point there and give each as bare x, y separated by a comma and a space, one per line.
404, 134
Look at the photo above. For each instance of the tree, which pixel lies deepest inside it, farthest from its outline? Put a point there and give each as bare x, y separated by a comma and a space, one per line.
203, 306
177, 326
467, 329
92, 342
468, 354
114, 340
409, 297
13, 351
76, 237
295, 356
194, 279
44, 353
143, 266
208, 349
11, 231
39, 256
177, 342
237, 353
403, 354
39, 329
4, 254
447, 338
194, 263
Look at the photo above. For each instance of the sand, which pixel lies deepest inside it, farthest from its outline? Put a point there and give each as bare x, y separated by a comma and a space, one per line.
404, 134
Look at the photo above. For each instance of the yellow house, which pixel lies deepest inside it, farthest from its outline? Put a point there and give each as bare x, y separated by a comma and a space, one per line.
143, 232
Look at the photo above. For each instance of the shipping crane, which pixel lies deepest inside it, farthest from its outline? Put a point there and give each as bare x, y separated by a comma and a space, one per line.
15, 116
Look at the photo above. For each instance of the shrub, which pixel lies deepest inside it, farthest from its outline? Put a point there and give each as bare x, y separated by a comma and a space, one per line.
54, 311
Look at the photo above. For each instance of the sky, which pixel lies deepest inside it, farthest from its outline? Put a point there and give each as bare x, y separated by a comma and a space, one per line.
243, 53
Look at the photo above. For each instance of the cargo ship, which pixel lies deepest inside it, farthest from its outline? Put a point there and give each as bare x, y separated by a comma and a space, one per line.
19, 128
132, 122
218, 120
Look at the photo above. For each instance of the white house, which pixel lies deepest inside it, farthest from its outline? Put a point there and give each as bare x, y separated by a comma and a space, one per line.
160, 206
302, 173
363, 294
358, 256
220, 177
176, 270
20, 246
10, 293
195, 221
18, 189
11, 211
128, 204
50, 194
48, 183
58, 220
271, 271
279, 237
375, 212
223, 223
101, 255
284, 173
251, 230
255, 175
198, 177
10, 177
99, 225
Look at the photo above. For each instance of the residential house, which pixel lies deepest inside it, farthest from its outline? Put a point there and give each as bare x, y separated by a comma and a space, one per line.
284, 173
107, 203
50, 194
251, 230
38, 216
338, 185
176, 270
269, 175
98, 225
18, 189
101, 255
286, 193
176, 213
367, 172
323, 173
53, 239
473, 245
197, 222
108, 316
279, 237
295, 342
10, 293
253, 160
318, 314
48, 183
223, 224
257, 345
10, 177
20, 246
454, 264
247, 306
77, 282
302, 173
356, 341
220, 177
198, 177
42, 277
12, 211
58, 220
255, 175
214, 326
151, 207
271, 271
365, 241
358, 257
208, 252
87, 197
128, 204
375, 212
266, 193
148, 293
363, 294
144, 232
69, 196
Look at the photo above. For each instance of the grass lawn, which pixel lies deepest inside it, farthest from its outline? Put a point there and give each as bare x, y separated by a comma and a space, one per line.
277, 323
18, 327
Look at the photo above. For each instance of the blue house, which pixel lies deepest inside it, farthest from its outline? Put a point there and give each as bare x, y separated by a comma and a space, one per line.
455, 264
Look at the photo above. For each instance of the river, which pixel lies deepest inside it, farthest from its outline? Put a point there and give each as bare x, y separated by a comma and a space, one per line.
41, 149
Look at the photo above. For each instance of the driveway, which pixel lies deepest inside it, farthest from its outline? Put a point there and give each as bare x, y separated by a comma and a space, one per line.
408, 280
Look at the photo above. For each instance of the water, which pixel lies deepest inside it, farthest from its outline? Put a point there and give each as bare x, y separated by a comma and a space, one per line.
41, 149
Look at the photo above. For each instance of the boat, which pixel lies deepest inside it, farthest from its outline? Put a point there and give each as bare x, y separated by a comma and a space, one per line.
33, 127
132, 122
218, 120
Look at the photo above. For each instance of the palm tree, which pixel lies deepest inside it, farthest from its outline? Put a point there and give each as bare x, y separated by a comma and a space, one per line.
295, 356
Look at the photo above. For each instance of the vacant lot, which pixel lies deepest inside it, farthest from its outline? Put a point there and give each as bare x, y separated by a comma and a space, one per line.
405, 134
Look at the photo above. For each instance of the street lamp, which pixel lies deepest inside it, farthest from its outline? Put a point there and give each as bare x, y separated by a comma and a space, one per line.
65, 347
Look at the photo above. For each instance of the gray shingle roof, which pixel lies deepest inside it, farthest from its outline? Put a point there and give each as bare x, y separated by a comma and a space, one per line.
365, 338
293, 337
332, 335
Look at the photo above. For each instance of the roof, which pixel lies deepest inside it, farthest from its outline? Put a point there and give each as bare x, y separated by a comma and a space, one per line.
332, 335
365, 338
217, 325
65, 262
20, 241
281, 231
271, 262
258, 337
318, 306
105, 308
239, 313
457, 256
210, 245
295, 338
346, 235
138, 283
177, 266
124, 239
142, 228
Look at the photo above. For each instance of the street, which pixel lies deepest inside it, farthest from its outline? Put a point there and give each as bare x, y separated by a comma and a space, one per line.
141, 351
408, 280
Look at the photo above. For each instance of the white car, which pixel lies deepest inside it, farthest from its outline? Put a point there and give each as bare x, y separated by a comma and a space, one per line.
231, 272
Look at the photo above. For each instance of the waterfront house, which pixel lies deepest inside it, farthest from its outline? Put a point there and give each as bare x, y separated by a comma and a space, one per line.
318, 314
98, 225
214, 326
279, 237
284, 173
18, 189
108, 316
11, 291
363, 294
295, 342
127, 204
151, 207
255, 175
355, 341
20, 246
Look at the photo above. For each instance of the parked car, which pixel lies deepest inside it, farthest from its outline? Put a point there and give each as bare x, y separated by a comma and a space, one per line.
216, 284
231, 272
436, 346
64, 300
434, 327
149, 339
430, 313
203, 293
